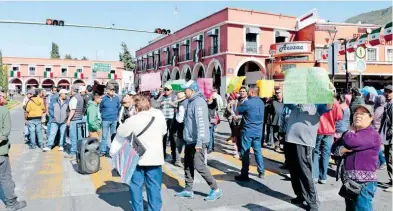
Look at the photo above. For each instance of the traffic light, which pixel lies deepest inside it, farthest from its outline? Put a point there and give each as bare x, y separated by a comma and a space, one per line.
162, 31
54, 22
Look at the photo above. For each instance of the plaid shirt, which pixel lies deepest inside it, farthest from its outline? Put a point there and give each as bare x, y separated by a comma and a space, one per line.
167, 109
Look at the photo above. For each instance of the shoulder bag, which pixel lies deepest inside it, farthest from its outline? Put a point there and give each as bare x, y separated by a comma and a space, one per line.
136, 143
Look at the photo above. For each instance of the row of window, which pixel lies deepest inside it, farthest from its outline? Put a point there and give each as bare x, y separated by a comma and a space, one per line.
63, 70
371, 54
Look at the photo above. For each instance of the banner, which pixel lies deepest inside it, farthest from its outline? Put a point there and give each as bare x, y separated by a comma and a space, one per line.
266, 88
205, 85
309, 85
235, 83
176, 85
150, 81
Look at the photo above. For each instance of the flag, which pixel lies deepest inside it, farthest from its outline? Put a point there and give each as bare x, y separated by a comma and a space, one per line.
374, 37
351, 45
362, 40
78, 75
387, 34
197, 55
174, 61
341, 51
15, 74
48, 74
112, 76
325, 52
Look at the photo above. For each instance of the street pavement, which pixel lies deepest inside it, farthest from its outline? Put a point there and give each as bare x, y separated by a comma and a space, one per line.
49, 182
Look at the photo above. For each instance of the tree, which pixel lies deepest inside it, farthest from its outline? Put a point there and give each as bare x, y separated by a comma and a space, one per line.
68, 56
126, 58
54, 54
75, 58
84, 58
3, 75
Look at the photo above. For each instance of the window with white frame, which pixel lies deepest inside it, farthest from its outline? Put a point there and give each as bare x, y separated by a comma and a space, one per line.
351, 56
318, 53
389, 55
64, 71
79, 70
371, 54
94, 73
15, 68
31, 71
48, 69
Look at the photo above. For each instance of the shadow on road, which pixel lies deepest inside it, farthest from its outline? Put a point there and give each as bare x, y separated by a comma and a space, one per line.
256, 207
115, 199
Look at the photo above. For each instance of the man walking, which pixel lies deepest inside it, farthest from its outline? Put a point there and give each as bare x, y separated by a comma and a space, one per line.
94, 116
58, 111
252, 111
75, 116
196, 137
6, 183
109, 108
386, 132
275, 109
35, 108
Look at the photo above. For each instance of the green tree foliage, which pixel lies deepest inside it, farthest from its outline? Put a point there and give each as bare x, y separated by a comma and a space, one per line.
54, 54
126, 57
84, 58
68, 56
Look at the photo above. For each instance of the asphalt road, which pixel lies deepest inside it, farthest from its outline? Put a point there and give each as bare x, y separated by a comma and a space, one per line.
49, 182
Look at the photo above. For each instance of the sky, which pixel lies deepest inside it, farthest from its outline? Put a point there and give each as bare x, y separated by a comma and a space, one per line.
35, 40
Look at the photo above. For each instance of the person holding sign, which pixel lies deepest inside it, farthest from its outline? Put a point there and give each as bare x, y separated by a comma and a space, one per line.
251, 133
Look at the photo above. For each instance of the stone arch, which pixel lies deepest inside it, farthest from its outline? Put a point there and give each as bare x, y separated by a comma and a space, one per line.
17, 83
212, 66
186, 72
196, 71
80, 82
47, 83
165, 76
63, 83
258, 62
175, 72
31, 82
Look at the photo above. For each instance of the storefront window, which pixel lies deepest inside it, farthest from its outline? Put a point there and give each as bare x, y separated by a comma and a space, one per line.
371, 54
389, 55
318, 53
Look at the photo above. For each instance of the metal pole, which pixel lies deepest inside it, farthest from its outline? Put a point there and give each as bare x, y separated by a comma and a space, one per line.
361, 81
333, 62
346, 67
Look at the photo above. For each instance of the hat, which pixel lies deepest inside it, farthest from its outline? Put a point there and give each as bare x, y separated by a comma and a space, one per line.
388, 87
75, 87
82, 88
63, 91
110, 87
168, 86
180, 97
31, 92
191, 84
131, 93
369, 108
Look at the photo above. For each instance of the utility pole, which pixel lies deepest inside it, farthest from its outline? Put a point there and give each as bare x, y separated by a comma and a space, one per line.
346, 67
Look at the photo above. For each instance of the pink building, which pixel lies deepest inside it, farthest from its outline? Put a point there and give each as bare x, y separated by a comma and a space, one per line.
45, 73
237, 42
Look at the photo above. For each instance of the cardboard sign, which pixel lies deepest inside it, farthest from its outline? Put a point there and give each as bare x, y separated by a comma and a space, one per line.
235, 84
266, 88
150, 81
308, 85
205, 85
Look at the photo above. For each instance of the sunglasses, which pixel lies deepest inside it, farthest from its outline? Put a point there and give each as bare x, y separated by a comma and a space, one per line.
388, 90
166, 89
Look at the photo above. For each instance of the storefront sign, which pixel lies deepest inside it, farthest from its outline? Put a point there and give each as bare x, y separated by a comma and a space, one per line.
102, 67
290, 48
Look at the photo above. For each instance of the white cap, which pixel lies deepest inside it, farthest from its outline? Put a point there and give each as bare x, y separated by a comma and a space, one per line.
63, 91
82, 89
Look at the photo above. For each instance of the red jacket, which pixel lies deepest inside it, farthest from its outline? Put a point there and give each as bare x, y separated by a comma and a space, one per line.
327, 124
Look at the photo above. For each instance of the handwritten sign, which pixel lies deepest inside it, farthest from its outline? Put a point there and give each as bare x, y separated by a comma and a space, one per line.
235, 84
307, 86
150, 81
266, 88
205, 85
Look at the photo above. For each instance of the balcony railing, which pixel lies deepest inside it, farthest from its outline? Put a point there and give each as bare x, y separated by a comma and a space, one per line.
212, 51
252, 48
186, 57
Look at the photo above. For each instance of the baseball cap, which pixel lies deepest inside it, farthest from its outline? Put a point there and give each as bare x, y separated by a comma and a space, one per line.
168, 86
191, 84
388, 87
63, 91
369, 108
110, 87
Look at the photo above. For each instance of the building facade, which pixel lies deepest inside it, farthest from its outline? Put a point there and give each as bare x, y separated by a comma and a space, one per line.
236, 42
45, 73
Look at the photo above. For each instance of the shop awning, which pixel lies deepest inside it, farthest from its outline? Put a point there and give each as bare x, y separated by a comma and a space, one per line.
185, 42
253, 30
213, 32
282, 34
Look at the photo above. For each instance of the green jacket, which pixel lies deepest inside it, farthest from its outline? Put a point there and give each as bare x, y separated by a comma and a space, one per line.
5, 129
93, 116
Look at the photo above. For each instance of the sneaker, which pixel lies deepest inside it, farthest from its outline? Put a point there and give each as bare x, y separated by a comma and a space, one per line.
242, 178
382, 166
214, 195
61, 149
185, 194
46, 149
297, 200
261, 176
32, 147
16, 206
322, 181
389, 189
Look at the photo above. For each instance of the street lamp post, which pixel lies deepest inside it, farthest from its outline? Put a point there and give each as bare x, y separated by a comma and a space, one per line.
346, 65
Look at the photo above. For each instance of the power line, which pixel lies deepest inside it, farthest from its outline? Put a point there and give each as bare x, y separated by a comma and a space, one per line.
77, 26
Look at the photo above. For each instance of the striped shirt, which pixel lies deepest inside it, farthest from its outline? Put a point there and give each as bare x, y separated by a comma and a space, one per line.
167, 108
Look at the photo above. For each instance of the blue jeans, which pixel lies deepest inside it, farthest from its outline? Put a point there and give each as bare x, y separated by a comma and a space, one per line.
322, 152
53, 132
212, 127
365, 199
381, 158
74, 136
48, 126
152, 176
107, 126
35, 131
248, 142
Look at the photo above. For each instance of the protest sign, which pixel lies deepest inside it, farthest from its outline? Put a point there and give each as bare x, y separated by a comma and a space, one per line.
266, 88
308, 85
176, 84
150, 81
205, 85
235, 84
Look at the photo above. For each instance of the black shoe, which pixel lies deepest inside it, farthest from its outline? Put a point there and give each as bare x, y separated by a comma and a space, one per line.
261, 176
242, 178
16, 206
297, 200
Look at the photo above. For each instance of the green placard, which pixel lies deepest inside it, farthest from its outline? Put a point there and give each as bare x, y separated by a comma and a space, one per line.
307, 86
102, 67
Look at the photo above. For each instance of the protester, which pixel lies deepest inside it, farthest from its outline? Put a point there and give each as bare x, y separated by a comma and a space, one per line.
324, 141
89, 94
58, 112
360, 147
213, 119
275, 109
6, 183
218, 98
357, 99
75, 117
286, 112
267, 123
33, 114
93, 113
343, 124
237, 118
29, 94
196, 137
110, 106
386, 132
52, 97
168, 108
181, 103
376, 124
149, 169
252, 111
233, 124
127, 108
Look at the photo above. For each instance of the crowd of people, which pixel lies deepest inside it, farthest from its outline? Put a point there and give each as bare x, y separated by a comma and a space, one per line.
355, 130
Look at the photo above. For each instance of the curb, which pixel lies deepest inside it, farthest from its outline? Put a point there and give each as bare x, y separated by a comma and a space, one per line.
14, 106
